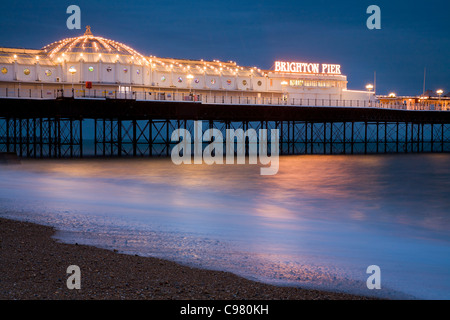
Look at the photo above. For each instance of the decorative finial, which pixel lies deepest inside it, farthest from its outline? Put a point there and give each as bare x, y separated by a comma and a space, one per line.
88, 31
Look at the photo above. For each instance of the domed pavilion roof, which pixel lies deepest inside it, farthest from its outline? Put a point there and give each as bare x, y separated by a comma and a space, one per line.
92, 47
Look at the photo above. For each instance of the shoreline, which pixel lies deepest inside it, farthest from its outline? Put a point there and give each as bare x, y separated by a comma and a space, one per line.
33, 267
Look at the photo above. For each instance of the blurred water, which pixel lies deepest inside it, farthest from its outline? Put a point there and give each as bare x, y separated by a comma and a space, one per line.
318, 223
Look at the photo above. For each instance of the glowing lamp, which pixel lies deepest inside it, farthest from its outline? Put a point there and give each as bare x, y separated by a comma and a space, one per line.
72, 70
369, 87
439, 92
392, 95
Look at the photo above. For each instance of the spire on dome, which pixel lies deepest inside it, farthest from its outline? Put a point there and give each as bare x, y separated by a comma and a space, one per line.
88, 31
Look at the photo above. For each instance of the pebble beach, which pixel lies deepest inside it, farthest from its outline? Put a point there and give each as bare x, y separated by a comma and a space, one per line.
33, 267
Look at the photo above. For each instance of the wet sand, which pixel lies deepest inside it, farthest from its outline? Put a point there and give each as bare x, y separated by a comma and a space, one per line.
33, 266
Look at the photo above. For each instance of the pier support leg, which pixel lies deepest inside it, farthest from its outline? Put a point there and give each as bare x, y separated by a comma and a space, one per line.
396, 140
352, 137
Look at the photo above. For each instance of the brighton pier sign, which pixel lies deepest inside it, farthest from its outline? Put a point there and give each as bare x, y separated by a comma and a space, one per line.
299, 67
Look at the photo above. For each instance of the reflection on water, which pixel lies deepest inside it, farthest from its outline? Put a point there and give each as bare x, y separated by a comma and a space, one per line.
320, 222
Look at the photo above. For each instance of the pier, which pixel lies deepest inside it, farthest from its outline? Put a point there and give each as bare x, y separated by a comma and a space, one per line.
53, 128
93, 96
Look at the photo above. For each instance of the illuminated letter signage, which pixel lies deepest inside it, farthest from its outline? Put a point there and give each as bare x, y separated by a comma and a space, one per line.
298, 67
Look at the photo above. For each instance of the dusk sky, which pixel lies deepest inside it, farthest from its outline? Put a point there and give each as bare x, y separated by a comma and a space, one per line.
413, 35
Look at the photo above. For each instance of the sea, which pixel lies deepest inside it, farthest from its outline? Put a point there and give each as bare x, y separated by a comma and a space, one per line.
321, 222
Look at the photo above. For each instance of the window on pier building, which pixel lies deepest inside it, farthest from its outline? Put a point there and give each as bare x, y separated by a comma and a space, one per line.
315, 83
124, 89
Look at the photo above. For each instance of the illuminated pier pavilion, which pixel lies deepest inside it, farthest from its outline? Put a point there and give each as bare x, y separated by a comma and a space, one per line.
93, 65
135, 103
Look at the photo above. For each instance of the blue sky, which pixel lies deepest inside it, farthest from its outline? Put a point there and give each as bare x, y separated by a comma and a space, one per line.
413, 35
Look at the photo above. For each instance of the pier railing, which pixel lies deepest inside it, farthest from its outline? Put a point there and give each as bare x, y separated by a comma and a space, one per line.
210, 98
